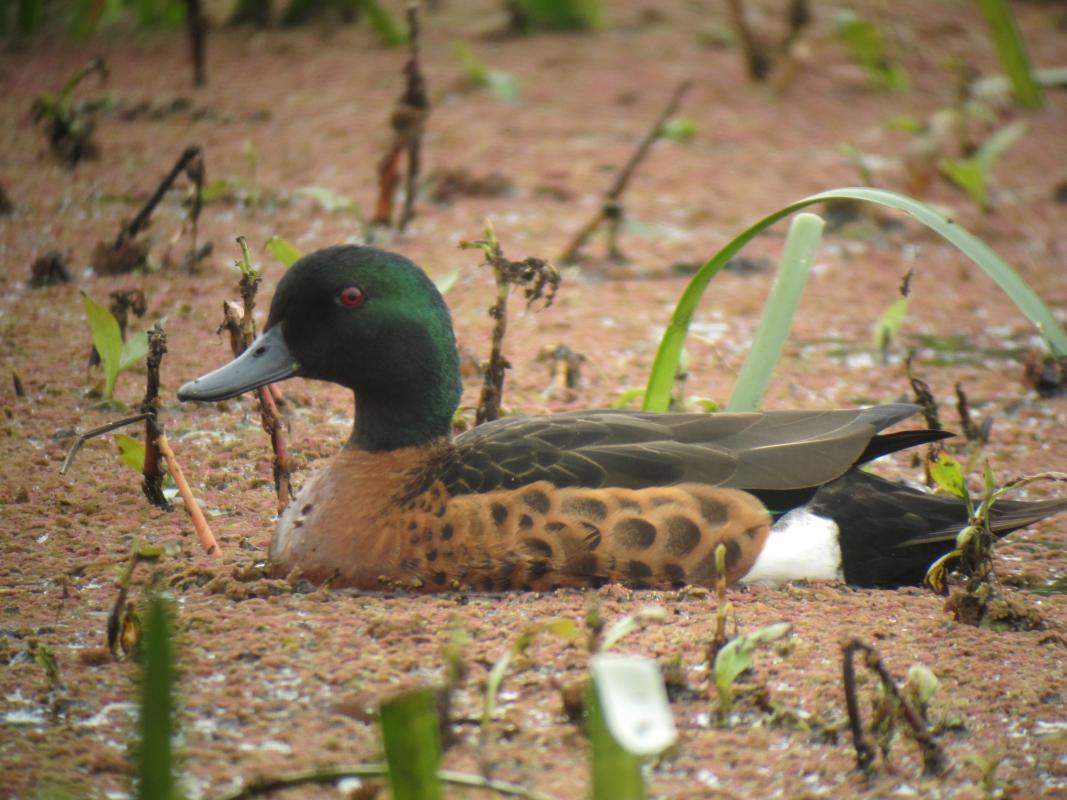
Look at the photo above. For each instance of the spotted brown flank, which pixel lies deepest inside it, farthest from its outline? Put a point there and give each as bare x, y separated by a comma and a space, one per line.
538, 536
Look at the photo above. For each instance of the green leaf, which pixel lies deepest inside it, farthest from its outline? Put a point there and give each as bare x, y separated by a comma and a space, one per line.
888, 326
972, 174
801, 244
131, 451
492, 687
220, 189
679, 129
564, 628
107, 339
969, 176
282, 250
737, 656
133, 350
382, 22
1012, 52
661, 377
502, 84
989, 482
868, 48
948, 474
924, 683
560, 15
155, 758
997, 143
411, 738
632, 622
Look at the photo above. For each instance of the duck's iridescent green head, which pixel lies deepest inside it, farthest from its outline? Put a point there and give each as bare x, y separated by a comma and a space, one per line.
366, 319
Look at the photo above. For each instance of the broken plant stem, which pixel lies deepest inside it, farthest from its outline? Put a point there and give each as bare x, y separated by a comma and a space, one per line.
152, 480
408, 122
195, 171
926, 401
722, 610
415, 96
242, 328
77, 444
933, 757
534, 274
611, 211
759, 64
122, 616
203, 530
197, 26
131, 229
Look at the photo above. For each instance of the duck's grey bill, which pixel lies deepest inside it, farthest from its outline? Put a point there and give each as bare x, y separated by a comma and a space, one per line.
267, 360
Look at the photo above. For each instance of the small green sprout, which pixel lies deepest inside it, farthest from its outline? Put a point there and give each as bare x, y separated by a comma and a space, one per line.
737, 656
503, 85
971, 174
868, 47
116, 356
679, 129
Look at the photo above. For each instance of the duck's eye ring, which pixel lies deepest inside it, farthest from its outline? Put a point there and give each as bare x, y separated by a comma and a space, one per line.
351, 296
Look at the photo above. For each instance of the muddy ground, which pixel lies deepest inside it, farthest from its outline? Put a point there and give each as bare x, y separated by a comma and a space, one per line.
275, 681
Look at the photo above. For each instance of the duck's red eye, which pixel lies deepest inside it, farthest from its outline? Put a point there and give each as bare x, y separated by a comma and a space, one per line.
351, 296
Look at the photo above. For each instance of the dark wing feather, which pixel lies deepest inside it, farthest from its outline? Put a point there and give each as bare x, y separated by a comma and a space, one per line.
777, 451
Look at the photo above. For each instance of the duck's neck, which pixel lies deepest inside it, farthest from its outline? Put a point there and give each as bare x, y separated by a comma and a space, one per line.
392, 425
412, 412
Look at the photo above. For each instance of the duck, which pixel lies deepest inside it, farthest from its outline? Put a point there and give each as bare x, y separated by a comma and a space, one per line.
568, 500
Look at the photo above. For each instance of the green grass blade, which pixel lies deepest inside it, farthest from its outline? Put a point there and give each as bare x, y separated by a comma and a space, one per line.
155, 759
616, 773
801, 244
107, 338
1012, 52
412, 741
661, 377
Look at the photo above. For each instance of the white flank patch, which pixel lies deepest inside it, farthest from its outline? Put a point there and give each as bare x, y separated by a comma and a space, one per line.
801, 545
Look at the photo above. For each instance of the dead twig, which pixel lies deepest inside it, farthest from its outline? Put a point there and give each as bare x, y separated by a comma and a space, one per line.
239, 322
123, 623
203, 530
197, 26
80, 441
132, 228
722, 610
932, 755
534, 274
408, 122
152, 475
611, 210
926, 401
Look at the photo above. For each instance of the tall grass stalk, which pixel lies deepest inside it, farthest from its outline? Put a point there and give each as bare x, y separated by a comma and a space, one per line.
661, 377
801, 244
1012, 52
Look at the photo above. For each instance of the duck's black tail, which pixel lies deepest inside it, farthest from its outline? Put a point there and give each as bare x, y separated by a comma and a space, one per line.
891, 534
